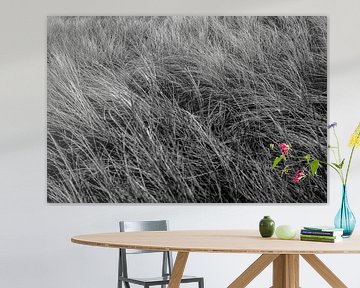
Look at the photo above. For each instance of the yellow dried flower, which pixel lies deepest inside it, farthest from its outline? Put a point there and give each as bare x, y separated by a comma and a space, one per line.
355, 138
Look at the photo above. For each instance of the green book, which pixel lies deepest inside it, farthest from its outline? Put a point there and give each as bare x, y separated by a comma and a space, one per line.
325, 240
319, 236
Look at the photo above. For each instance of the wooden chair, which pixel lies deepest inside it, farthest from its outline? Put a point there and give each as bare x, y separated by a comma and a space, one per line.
167, 262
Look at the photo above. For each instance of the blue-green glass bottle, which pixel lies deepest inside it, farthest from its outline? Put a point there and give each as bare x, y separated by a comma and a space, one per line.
345, 219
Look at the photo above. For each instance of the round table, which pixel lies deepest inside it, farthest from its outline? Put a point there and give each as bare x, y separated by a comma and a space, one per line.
284, 254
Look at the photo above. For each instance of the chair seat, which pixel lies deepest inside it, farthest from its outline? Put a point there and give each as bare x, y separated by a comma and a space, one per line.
158, 280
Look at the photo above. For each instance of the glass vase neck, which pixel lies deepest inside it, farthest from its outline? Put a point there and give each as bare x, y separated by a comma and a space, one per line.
344, 195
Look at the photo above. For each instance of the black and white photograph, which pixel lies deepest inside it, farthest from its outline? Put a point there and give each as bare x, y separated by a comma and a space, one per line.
186, 109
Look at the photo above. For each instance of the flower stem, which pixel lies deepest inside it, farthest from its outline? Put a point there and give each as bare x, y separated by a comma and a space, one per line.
336, 169
333, 152
350, 159
348, 166
339, 155
337, 143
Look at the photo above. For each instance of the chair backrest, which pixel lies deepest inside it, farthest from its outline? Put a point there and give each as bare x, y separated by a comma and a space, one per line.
134, 226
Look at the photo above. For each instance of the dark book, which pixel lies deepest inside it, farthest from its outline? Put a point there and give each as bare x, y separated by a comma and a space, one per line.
321, 233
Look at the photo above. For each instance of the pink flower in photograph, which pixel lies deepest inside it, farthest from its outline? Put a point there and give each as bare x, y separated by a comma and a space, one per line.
284, 148
299, 175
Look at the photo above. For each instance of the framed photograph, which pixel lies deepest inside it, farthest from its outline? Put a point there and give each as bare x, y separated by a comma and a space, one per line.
184, 109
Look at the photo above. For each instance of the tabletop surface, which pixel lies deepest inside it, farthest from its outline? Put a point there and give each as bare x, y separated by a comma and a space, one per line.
217, 241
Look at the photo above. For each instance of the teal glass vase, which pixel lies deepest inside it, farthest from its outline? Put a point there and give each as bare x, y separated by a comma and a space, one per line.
345, 219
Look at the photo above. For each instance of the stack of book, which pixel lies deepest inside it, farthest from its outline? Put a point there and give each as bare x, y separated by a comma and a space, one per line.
321, 234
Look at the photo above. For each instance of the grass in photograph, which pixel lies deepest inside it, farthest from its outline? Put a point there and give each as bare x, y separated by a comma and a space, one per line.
183, 109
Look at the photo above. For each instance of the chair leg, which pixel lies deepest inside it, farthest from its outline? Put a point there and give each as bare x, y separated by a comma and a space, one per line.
201, 283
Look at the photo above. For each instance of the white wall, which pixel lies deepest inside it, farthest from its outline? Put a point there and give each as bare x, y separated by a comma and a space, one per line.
35, 248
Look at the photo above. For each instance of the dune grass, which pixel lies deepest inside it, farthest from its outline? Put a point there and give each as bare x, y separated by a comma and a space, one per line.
183, 109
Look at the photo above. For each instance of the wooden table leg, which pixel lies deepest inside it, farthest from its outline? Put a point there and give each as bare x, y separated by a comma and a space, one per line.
324, 271
286, 271
178, 270
253, 270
